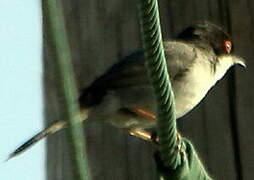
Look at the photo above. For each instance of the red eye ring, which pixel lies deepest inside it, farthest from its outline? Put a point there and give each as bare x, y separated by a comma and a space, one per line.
227, 46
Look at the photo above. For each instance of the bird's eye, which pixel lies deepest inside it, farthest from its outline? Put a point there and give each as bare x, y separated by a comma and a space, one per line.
227, 46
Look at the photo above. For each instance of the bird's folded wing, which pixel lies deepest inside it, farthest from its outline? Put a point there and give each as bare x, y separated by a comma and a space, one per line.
180, 57
131, 71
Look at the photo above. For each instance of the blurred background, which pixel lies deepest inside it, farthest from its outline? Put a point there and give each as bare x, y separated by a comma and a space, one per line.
221, 127
21, 92
101, 33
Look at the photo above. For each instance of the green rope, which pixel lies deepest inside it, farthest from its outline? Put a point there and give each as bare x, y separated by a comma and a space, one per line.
182, 163
56, 20
154, 53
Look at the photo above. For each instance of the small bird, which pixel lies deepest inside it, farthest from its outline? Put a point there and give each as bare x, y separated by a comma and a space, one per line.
124, 97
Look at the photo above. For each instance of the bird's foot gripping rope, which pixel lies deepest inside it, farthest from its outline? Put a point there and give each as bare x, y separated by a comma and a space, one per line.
152, 137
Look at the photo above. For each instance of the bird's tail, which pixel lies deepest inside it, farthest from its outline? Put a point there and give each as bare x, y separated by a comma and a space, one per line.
36, 138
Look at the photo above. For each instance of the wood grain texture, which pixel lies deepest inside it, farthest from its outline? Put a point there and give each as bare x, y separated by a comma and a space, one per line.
102, 32
242, 14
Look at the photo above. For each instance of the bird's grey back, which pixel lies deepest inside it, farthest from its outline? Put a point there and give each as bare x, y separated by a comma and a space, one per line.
131, 72
129, 80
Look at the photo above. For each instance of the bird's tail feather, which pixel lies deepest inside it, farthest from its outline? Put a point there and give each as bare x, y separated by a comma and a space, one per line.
50, 130
36, 138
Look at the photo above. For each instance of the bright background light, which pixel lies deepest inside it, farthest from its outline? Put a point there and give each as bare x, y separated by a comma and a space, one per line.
21, 103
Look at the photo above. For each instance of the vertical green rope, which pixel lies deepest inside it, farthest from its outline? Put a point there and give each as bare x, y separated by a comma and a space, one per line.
156, 62
59, 36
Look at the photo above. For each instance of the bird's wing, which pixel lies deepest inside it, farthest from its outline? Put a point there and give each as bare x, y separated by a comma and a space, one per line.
131, 71
128, 72
180, 57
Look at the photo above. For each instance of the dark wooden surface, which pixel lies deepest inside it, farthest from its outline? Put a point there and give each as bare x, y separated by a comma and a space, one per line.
221, 127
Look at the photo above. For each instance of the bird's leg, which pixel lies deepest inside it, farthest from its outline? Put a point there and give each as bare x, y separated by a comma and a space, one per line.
142, 134
143, 113
148, 136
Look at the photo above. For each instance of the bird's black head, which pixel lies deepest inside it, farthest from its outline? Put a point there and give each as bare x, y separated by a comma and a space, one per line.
208, 35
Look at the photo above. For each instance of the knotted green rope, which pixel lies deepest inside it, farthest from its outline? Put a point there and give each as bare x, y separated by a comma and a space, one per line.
154, 53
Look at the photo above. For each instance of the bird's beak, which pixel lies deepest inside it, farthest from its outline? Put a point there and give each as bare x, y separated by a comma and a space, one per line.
233, 59
240, 61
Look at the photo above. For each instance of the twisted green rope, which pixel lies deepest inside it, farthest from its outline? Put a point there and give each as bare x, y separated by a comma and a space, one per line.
154, 53
59, 37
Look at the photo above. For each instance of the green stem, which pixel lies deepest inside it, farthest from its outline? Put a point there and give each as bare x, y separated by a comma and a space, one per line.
59, 36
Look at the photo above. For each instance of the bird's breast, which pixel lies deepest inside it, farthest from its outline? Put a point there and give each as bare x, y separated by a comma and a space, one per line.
193, 87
